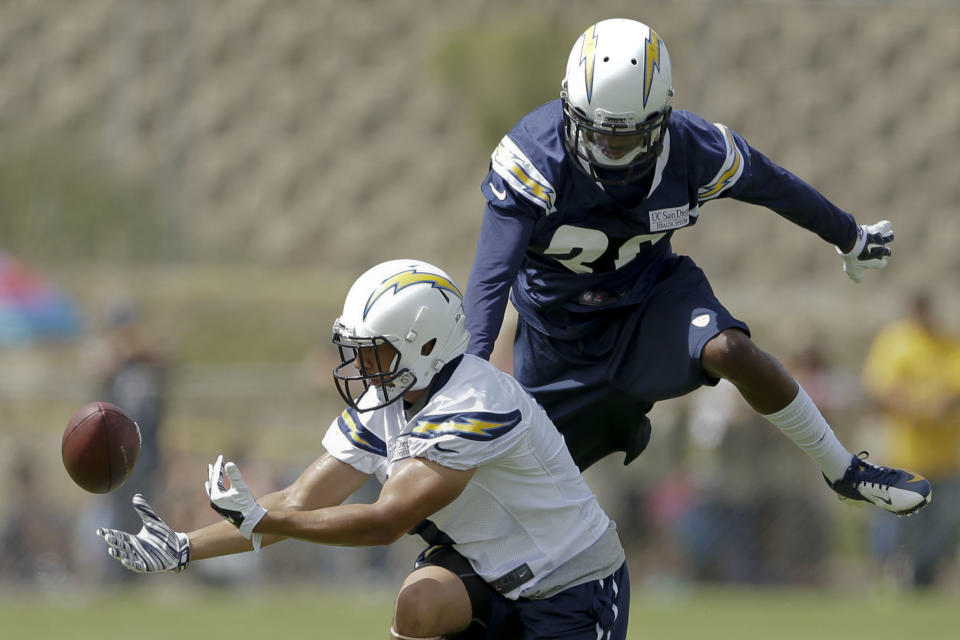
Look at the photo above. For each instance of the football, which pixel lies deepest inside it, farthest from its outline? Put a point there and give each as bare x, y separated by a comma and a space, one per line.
100, 447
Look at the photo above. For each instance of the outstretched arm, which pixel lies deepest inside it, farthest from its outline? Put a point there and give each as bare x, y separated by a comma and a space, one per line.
326, 482
862, 247
159, 548
414, 492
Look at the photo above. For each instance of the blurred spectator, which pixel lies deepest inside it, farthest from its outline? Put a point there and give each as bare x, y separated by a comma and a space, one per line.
34, 540
912, 371
749, 519
720, 530
133, 376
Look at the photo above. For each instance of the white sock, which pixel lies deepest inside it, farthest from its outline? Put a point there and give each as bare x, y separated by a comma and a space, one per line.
803, 423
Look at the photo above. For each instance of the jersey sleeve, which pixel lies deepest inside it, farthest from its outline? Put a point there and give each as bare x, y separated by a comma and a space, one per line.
350, 441
522, 187
465, 440
732, 168
504, 235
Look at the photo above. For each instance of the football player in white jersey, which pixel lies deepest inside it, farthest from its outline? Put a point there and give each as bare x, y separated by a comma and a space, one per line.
518, 544
583, 196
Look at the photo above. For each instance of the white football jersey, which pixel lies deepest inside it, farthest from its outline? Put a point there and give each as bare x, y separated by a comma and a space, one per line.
526, 502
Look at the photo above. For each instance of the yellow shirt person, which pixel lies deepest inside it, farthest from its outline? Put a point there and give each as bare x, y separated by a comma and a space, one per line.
913, 372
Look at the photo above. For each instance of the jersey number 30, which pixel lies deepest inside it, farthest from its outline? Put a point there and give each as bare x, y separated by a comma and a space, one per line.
577, 247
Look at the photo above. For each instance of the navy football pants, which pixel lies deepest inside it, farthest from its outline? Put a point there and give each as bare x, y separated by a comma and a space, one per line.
595, 610
599, 399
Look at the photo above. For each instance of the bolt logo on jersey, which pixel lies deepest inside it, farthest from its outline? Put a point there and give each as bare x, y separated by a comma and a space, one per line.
651, 61
513, 166
470, 425
359, 435
730, 171
588, 58
407, 279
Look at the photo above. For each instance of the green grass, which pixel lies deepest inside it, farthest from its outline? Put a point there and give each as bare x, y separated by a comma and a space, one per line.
721, 614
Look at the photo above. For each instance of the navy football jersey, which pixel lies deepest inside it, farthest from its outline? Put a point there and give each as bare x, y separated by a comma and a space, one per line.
570, 247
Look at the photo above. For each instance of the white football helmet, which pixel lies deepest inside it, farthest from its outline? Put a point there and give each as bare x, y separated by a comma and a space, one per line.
617, 98
413, 306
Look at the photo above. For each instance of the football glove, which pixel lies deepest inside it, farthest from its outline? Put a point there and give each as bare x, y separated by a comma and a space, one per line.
157, 548
236, 504
870, 251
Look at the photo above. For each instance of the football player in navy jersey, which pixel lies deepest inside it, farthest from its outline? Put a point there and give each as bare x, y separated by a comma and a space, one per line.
583, 196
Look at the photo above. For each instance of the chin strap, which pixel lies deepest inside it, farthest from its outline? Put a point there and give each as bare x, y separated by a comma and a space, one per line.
400, 636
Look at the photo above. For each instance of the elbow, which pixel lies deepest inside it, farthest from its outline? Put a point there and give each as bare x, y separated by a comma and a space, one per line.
385, 533
289, 499
385, 527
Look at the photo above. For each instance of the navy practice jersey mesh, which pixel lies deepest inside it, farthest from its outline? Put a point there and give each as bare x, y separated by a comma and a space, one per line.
570, 247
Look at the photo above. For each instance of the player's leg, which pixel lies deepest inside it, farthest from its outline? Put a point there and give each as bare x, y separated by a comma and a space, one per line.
444, 597
613, 422
773, 393
767, 387
432, 602
595, 609
594, 417
599, 401
685, 338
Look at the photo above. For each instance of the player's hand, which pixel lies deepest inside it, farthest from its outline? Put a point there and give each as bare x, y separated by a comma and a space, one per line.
870, 251
157, 548
236, 504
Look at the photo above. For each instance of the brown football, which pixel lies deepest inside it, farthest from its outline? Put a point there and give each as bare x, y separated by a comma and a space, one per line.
100, 447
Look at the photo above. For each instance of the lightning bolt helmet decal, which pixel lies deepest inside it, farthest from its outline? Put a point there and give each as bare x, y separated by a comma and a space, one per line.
588, 55
408, 305
651, 62
617, 98
408, 279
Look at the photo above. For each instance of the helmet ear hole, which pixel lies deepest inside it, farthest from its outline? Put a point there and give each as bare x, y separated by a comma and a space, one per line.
427, 348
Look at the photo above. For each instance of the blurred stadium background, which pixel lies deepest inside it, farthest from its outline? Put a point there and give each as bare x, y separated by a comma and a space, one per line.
230, 166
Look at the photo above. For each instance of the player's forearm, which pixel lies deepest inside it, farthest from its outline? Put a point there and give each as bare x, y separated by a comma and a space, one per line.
222, 538
353, 525
793, 198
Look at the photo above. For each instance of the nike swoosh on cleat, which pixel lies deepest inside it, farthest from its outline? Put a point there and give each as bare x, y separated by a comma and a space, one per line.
885, 500
916, 478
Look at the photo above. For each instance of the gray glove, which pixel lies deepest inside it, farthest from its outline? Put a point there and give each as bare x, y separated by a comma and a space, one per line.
157, 548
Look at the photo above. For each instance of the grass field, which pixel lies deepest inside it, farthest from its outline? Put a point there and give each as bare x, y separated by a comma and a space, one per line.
724, 614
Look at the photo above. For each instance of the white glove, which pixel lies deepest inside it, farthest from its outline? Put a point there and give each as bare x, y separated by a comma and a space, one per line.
870, 251
236, 504
157, 548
